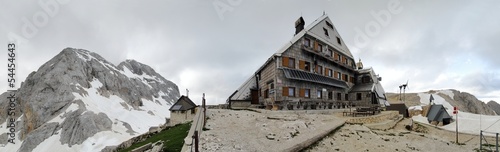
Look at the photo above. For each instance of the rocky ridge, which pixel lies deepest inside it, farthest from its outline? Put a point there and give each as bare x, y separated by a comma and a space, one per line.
495, 106
464, 101
78, 94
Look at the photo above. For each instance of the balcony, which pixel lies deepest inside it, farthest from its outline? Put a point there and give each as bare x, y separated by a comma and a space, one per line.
326, 56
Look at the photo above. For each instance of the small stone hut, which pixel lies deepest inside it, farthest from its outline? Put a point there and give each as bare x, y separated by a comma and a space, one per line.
182, 111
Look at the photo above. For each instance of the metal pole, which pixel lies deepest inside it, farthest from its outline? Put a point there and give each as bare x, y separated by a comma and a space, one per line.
497, 143
456, 114
481, 140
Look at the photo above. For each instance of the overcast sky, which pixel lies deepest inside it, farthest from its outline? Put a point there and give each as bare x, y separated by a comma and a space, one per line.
213, 46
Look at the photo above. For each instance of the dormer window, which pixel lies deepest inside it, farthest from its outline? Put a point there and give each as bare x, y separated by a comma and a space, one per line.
326, 32
307, 43
338, 41
329, 24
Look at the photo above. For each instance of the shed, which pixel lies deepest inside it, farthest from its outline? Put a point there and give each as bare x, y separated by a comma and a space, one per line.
437, 113
182, 111
400, 107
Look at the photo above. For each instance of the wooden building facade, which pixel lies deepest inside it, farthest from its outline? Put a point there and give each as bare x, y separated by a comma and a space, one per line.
315, 70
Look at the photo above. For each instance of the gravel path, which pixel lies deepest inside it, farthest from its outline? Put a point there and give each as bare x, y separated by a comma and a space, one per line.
244, 130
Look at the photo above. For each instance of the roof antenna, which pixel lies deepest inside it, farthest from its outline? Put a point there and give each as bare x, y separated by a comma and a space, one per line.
187, 92
323, 12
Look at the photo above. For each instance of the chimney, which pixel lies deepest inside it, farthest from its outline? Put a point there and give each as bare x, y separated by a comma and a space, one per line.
299, 25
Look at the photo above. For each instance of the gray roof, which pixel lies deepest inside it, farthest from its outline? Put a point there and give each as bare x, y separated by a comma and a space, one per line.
183, 104
243, 92
311, 77
315, 29
362, 87
437, 113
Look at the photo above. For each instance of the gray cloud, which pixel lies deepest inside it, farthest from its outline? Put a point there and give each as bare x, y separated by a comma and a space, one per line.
445, 44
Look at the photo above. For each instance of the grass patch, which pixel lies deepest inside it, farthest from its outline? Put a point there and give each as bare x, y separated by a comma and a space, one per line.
173, 138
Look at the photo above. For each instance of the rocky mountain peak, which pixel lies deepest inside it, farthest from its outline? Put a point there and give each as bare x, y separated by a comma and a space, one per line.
78, 94
470, 103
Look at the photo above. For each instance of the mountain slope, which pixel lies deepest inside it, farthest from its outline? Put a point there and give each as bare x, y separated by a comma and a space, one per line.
464, 101
495, 106
78, 101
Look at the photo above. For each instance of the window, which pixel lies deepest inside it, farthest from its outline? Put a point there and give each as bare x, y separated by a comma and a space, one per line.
307, 43
339, 75
345, 77
330, 95
339, 96
338, 41
346, 97
307, 93
307, 66
337, 57
291, 92
330, 73
326, 32
270, 89
329, 24
329, 53
320, 47
365, 79
320, 94
319, 69
291, 63
358, 96
304, 65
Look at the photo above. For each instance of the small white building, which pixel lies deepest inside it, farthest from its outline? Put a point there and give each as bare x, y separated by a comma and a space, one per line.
182, 111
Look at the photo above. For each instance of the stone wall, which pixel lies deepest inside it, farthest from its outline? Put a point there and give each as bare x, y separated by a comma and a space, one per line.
383, 116
240, 104
178, 117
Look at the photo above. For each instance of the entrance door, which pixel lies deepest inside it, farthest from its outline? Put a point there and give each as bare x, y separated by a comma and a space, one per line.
255, 96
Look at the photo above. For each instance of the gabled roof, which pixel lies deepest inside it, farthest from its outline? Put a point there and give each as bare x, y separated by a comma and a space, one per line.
243, 92
312, 30
437, 113
315, 29
183, 104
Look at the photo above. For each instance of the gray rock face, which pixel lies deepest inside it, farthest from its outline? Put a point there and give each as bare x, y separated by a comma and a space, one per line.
494, 106
38, 136
78, 126
469, 103
48, 92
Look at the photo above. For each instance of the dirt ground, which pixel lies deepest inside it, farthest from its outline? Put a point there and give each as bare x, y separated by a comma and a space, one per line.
269, 131
244, 130
423, 138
